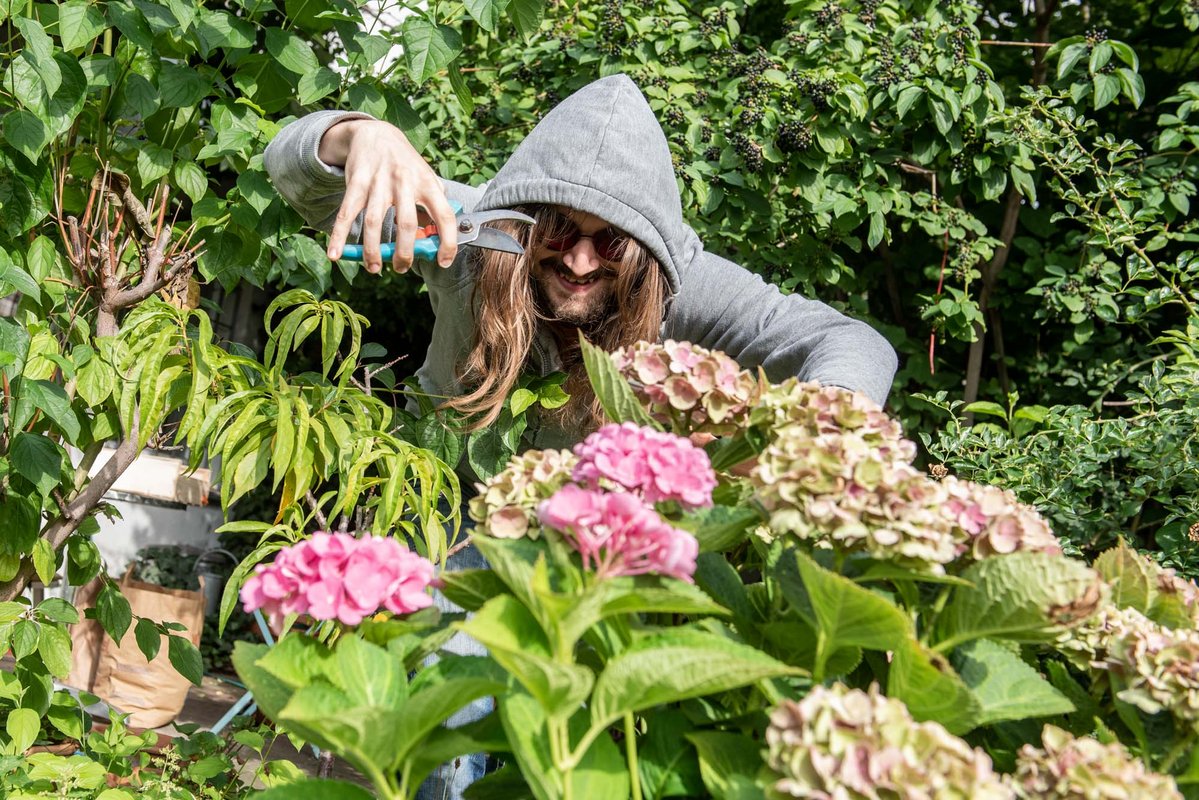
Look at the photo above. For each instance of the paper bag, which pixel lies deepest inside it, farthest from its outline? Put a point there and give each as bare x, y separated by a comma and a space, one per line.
151, 693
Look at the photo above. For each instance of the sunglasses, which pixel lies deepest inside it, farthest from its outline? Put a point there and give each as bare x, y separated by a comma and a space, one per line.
562, 234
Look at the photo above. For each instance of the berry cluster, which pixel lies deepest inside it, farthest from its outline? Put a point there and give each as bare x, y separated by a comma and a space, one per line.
712, 154
612, 32
674, 117
957, 42
717, 22
751, 116
749, 150
867, 16
1095, 36
701, 98
794, 136
829, 15
481, 112
818, 91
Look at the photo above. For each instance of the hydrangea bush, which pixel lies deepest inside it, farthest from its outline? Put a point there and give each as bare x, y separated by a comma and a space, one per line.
793, 609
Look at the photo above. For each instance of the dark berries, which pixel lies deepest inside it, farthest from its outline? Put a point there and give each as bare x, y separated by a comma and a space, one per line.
794, 136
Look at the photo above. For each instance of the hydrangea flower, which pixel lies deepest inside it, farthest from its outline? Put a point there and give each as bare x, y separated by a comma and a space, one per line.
506, 505
852, 745
1067, 768
820, 410
1158, 666
853, 490
337, 576
658, 466
704, 390
616, 533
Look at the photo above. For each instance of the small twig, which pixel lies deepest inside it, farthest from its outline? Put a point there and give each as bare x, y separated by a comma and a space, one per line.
316, 511
343, 524
1118, 403
458, 548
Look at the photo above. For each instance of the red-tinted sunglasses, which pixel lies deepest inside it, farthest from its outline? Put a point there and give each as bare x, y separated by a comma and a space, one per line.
609, 243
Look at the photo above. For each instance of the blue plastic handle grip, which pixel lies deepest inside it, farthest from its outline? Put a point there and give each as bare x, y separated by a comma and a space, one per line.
425, 248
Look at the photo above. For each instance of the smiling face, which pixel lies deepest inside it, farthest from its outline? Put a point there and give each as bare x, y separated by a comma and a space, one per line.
574, 280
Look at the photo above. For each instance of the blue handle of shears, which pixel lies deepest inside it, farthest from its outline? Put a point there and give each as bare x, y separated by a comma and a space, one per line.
425, 248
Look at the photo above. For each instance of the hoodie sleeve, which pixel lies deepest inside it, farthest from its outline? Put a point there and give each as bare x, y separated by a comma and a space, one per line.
315, 189
723, 306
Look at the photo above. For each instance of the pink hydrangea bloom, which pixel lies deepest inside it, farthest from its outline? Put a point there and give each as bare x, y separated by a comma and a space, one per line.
337, 576
658, 466
618, 534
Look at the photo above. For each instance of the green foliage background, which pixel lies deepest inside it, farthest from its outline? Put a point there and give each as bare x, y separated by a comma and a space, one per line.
1017, 219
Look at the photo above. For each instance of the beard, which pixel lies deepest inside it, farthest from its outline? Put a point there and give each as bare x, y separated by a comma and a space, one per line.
586, 312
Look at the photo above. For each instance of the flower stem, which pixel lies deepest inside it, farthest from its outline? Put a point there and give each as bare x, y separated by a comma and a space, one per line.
630, 745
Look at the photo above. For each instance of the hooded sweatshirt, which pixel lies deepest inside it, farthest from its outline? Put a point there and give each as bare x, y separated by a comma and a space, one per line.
602, 151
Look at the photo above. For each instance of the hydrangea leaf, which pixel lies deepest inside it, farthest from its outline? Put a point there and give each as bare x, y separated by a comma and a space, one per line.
931, 690
677, 665
612, 390
1025, 597
1006, 687
1131, 576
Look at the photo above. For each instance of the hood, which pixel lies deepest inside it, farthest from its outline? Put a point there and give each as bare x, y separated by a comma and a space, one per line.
602, 151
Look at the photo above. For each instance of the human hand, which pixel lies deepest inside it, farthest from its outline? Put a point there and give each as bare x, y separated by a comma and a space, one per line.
382, 171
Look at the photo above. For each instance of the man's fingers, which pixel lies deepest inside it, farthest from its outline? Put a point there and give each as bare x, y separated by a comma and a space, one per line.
405, 225
351, 204
447, 225
372, 229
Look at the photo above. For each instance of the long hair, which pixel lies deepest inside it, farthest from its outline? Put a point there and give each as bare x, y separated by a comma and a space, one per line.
508, 310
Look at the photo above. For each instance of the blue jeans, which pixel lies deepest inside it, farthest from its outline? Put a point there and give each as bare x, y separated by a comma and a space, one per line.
450, 780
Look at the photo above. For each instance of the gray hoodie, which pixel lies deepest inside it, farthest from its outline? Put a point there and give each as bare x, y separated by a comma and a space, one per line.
602, 151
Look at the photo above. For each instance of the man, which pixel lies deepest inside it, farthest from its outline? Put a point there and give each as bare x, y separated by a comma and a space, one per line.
610, 254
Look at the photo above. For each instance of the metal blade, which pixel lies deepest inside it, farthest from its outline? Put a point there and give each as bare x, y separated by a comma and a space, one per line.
477, 218
491, 239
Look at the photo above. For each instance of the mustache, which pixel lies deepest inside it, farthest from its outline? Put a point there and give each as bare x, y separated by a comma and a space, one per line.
604, 272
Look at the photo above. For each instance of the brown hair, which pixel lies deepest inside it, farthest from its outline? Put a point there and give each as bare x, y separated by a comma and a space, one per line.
508, 310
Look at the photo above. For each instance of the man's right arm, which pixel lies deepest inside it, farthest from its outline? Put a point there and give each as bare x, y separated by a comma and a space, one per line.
360, 179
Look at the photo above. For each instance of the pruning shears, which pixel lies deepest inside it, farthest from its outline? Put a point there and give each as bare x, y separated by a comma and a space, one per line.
470, 232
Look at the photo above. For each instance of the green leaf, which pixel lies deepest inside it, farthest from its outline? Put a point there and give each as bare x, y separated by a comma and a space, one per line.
521, 400
51, 400
439, 691
488, 13
22, 727
270, 692
1107, 89
191, 179
514, 639
612, 390
1023, 181
153, 161
928, 686
113, 612
44, 562
140, 94
987, 407
54, 646
149, 638
526, 15
26, 133
1132, 579
1021, 596
38, 460
526, 728
131, 23
720, 528
185, 658
291, 52
906, 99
96, 381
11, 610
317, 84
843, 613
668, 767
1070, 56
180, 86
471, 588
1005, 686
488, 450
428, 48
677, 665
79, 22
723, 757
24, 639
